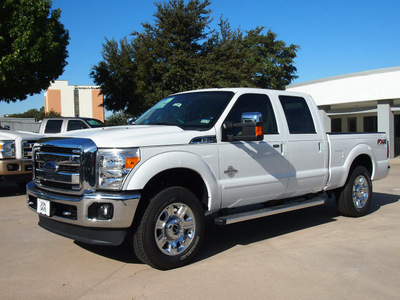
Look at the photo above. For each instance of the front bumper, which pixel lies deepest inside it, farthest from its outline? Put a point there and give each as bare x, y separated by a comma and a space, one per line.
15, 169
70, 215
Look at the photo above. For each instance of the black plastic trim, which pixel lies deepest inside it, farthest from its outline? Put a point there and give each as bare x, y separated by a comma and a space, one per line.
88, 235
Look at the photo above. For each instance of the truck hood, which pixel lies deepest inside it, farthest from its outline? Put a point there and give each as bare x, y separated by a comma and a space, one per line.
22, 135
137, 135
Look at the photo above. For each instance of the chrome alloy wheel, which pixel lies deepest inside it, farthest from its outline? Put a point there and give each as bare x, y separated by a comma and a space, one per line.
175, 229
360, 191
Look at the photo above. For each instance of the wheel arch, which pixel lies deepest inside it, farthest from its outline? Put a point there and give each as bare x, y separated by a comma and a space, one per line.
180, 169
182, 177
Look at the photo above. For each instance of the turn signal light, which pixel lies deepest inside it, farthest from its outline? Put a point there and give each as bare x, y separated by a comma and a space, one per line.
259, 130
130, 162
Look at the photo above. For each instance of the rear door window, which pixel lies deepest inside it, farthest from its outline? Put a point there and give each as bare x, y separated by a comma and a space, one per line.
298, 115
53, 126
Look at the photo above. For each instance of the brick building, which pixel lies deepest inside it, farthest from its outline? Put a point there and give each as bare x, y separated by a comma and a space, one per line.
74, 100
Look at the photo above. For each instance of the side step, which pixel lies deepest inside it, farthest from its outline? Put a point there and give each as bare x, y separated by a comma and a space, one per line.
268, 211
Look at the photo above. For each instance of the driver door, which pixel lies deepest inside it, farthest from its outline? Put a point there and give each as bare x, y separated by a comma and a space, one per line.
253, 172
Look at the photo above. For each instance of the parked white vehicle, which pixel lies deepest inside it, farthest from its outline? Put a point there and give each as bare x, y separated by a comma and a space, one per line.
231, 154
16, 155
55, 125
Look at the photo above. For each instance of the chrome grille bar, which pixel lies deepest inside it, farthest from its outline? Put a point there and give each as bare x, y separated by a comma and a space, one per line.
27, 147
65, 165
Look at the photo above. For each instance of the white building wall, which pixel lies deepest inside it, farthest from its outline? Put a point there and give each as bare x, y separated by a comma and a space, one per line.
352, 88
85, 106
67, 94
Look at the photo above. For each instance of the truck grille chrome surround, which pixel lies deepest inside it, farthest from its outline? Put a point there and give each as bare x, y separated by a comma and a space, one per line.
27, 147
65, 165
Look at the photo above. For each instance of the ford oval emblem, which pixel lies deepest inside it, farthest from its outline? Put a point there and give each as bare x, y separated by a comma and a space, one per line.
50, 167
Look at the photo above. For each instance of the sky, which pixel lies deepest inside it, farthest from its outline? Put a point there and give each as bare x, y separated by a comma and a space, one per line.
336, 37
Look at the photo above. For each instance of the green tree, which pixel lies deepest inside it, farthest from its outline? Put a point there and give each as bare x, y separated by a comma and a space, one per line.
37, 114
119, 118
180, 52
33, 47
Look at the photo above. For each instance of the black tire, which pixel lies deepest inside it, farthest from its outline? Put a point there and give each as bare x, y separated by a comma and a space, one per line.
354, 199
171, 229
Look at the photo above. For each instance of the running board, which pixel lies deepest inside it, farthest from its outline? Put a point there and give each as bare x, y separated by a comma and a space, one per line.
268, 211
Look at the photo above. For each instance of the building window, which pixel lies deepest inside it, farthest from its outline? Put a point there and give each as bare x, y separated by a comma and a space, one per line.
76, 102
336, 125
352, 124
371, 124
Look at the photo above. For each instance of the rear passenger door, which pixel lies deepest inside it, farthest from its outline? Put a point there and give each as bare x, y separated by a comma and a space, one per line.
306, 147
253, 172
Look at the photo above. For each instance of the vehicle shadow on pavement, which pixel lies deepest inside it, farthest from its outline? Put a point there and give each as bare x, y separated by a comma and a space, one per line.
222, 238
123, 253
219, 239
380, 199
11, 189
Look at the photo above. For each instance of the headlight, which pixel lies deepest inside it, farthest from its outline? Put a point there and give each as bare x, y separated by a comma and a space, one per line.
7, 149
114, 165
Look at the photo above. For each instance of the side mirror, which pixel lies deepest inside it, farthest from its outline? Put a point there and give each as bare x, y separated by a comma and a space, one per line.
6, 127
250, 129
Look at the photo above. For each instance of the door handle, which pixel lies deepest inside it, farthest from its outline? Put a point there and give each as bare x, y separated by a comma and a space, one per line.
276, 145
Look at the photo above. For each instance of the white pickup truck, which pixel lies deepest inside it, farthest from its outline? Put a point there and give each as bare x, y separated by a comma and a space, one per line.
228, 154
16, 156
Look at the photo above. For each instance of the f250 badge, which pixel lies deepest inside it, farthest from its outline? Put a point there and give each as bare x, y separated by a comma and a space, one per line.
381, 142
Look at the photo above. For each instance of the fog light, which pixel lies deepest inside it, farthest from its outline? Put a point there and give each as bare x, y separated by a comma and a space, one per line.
12, 167
100, 211
106, 211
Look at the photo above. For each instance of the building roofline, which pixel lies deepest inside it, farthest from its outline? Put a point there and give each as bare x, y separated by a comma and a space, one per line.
358, 74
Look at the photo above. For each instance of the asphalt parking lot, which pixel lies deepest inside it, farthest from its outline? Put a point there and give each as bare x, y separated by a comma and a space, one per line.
308, 254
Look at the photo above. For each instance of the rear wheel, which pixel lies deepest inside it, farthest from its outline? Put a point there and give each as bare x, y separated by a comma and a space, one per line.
355, 198
171, 229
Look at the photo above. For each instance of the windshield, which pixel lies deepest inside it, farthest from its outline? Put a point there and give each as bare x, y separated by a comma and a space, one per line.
198, 110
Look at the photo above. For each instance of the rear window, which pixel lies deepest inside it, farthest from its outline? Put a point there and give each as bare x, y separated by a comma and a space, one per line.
298, 115
53, 126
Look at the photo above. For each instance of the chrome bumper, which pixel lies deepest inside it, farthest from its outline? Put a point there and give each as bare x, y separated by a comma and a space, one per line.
75, 209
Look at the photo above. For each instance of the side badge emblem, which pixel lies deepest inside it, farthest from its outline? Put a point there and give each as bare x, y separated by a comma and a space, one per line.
231, 171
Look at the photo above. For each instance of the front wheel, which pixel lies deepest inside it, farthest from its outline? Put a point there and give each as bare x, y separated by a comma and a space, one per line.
355, 198
171, 229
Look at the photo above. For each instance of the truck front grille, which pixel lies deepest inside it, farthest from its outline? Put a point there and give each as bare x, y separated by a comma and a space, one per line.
27, 147
65, 165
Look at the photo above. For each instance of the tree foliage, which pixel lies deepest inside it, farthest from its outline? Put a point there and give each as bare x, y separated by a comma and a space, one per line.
119, 118
33, 47
180, 52
37, 114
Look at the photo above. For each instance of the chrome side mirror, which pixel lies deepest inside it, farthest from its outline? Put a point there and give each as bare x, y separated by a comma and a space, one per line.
251, 117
